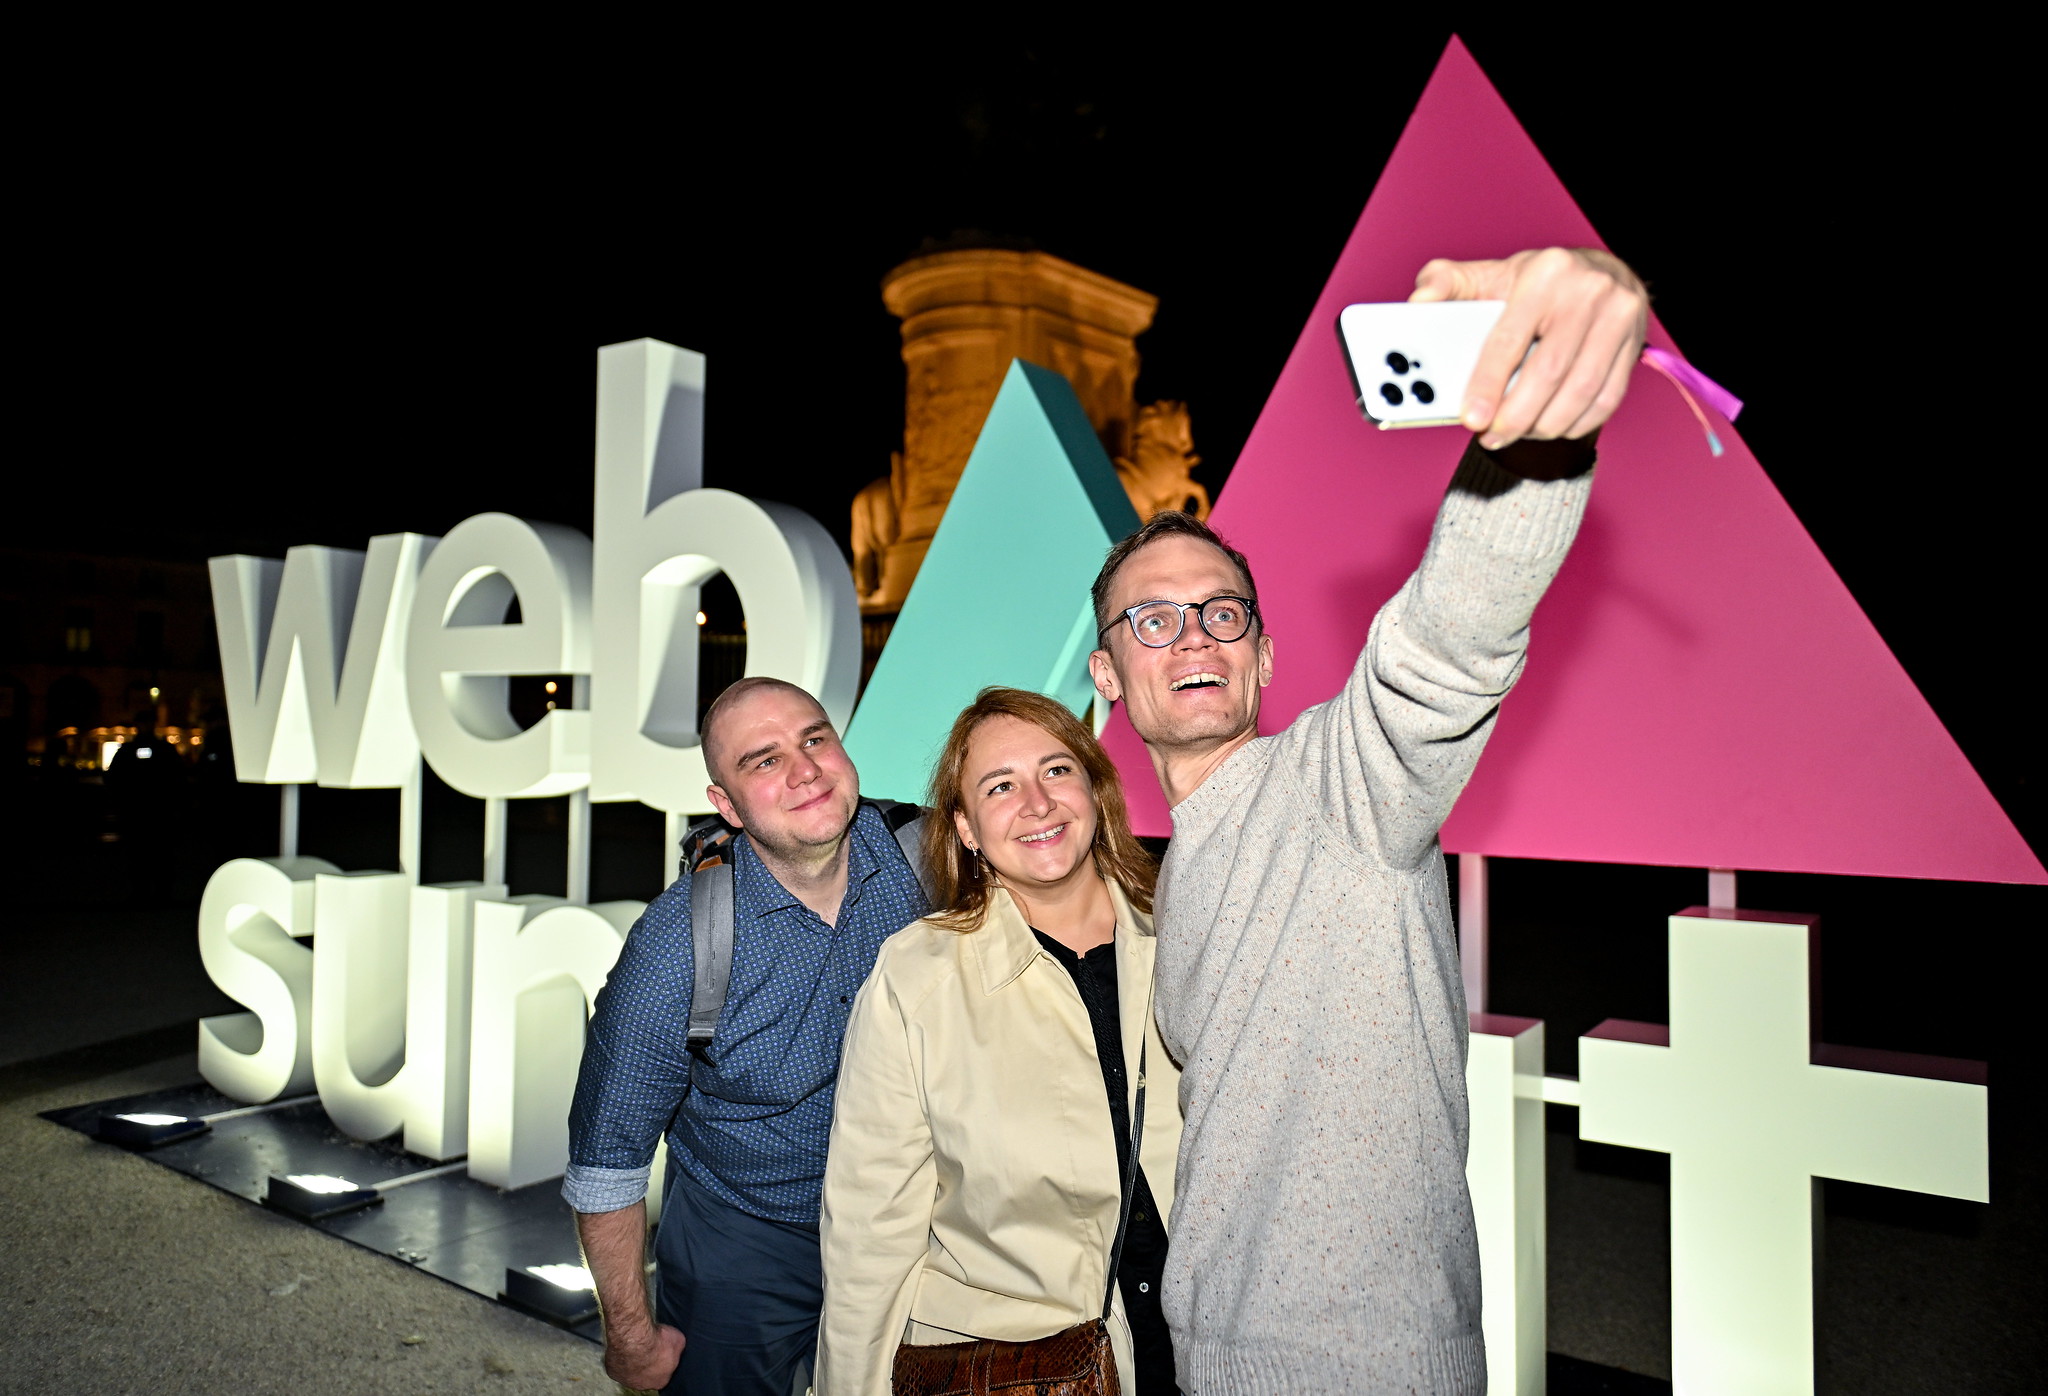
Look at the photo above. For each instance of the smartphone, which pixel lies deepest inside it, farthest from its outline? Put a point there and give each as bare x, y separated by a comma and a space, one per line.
1409, 363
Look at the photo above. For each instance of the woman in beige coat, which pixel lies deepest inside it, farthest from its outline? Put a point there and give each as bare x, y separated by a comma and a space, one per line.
976, 1166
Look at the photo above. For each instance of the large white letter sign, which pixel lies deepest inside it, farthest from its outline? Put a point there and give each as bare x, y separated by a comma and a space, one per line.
1734, 1090
658, 538
250, 912
359, 972
301, 709
436, 1071
459, 651
539, 965
391, 1007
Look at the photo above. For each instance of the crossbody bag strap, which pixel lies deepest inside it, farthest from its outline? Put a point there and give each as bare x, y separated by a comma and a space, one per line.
1123, 1215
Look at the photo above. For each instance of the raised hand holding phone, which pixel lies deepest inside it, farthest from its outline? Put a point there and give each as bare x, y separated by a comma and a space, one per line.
1585, 314
1410, 363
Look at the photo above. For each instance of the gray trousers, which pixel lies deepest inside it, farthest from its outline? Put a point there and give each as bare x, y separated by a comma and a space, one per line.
744, 1291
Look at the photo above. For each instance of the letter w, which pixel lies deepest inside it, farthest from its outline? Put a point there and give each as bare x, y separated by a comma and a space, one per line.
300, 707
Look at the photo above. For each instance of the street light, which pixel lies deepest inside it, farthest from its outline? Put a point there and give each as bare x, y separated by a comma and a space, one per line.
564, 1295
148, 1129
317, 1196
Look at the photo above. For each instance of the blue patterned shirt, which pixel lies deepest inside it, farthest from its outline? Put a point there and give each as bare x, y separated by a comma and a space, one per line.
751, 1129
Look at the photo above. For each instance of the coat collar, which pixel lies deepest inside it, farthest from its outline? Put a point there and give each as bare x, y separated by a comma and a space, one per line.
1004, 946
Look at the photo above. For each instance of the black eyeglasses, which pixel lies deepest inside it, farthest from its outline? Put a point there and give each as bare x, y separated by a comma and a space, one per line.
1157, 624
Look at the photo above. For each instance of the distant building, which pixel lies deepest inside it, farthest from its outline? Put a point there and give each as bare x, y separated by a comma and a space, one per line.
94, 650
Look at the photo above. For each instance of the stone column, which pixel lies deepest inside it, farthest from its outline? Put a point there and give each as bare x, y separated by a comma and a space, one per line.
966, 314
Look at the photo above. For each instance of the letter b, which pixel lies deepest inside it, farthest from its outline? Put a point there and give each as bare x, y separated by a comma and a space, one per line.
658, 538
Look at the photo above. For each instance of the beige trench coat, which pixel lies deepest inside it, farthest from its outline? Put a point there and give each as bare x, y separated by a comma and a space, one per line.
971, 1186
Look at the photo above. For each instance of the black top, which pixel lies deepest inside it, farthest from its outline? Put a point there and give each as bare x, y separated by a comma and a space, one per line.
1144, 1255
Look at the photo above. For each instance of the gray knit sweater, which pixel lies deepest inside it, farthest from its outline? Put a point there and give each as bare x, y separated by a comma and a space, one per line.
1308, 983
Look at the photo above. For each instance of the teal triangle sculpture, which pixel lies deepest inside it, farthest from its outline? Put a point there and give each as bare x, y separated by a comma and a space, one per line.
1002, 596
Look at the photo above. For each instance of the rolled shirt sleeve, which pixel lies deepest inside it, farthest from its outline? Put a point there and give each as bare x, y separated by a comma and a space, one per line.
636, 1063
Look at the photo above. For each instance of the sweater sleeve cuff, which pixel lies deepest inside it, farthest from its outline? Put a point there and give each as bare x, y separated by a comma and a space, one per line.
1559, 459
1506, 513
603, 1189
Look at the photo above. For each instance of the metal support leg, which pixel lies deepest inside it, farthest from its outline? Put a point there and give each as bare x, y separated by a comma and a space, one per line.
1473, 931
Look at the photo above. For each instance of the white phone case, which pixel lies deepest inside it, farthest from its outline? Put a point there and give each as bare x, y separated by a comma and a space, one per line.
1409, 363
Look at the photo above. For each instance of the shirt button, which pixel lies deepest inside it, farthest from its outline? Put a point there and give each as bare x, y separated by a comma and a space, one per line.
842, 998
1144, 1288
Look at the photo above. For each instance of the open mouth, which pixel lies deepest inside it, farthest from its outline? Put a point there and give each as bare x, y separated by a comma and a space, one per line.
1187, 681
1044, 835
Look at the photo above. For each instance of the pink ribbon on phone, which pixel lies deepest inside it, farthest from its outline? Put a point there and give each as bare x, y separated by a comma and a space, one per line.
1689, 380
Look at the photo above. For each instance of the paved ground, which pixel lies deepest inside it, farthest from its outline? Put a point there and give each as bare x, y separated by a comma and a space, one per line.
122, 1277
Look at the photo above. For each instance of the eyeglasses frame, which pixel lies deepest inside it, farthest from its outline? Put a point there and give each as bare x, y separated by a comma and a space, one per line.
1200, 608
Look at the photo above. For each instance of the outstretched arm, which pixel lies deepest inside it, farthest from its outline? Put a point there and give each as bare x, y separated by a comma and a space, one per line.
1390, 755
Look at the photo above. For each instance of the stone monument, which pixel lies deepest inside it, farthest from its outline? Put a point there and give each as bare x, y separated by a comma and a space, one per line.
966, 314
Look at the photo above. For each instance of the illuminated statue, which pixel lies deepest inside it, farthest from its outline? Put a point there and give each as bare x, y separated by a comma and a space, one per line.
1156, 475
967, 312
874, 529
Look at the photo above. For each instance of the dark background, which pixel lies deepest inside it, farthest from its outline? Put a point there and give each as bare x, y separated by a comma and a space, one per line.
309, 285
352, 283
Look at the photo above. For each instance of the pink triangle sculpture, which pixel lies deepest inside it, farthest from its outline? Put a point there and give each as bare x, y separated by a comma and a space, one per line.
1702, 690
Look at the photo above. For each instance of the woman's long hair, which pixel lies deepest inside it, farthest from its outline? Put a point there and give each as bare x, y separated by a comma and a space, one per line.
960, 881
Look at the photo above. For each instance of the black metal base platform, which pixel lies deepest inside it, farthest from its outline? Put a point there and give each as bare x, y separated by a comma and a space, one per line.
452, 1227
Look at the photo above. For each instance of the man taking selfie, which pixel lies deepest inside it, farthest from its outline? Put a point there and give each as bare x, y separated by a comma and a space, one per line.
1308, 978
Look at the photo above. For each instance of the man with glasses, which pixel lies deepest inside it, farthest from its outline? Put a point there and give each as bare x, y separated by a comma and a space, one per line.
1307, 972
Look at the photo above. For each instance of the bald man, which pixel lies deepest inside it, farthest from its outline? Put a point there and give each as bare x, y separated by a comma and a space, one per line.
819, 882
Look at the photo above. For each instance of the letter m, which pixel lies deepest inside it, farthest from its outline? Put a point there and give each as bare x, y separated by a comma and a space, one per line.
301, 707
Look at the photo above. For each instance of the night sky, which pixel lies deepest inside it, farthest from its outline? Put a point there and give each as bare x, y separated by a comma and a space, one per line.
352, 283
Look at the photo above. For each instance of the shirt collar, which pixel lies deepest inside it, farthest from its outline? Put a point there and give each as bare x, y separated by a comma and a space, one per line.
765, 893
863, 858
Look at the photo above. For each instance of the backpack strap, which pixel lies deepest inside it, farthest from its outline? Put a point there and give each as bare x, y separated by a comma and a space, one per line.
711, 940
910, 838
707, 857
906, 822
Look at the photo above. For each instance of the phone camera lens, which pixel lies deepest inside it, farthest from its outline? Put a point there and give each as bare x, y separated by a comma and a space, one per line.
1397, 362
1423, 392
1391, 393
